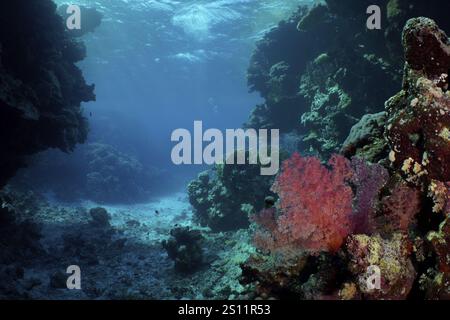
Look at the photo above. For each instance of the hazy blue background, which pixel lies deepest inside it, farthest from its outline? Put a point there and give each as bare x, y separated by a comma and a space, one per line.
160, 65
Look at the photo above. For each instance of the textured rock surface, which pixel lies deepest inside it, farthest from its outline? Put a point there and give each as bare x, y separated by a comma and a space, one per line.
41, 87
390, 256
419, 116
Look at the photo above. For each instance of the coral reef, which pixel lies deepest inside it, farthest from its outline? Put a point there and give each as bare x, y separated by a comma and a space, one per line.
320, 90
224, 198
390, 256
398, 223
94, 171
318, 245
185, 249
319, 95
41, 87
419, 115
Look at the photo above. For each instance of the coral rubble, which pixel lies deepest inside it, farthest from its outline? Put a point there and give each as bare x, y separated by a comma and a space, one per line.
419, 115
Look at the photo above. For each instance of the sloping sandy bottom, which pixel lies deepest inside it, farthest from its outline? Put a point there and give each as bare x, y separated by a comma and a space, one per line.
127, 261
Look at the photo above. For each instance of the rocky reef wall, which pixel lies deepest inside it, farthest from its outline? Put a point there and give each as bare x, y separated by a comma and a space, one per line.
41, 88
391, 220
325, 79
320, 70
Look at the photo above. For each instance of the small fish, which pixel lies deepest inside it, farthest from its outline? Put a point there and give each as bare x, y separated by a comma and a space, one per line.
156, 212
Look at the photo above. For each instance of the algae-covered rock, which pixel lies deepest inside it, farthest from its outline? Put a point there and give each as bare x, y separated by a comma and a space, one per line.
419, 115
366, 138
327, 85
390, 256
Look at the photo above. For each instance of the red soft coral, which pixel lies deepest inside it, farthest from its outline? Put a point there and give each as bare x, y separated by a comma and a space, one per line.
399, 209
315, 206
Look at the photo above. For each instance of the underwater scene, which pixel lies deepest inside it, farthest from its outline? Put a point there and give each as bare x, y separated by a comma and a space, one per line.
225, 150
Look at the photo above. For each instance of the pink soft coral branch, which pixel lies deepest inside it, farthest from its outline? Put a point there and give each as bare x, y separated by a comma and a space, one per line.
315, 206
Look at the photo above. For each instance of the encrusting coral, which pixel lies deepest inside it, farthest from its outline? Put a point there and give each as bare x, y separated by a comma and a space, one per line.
419, 116
392, 257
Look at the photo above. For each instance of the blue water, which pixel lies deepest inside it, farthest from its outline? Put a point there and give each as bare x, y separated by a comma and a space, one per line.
160, 65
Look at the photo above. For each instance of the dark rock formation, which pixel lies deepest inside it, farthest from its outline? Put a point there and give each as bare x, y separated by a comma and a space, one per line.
406, 233
19, 242
224, 198
41, 87
366, 139
418, 127
100, 217
185, 249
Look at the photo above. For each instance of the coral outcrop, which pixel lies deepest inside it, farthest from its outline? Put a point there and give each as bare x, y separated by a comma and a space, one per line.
94, 171
224, 198
419, 116
397, 225
184, 247
320, 72
41, 87
366, 139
